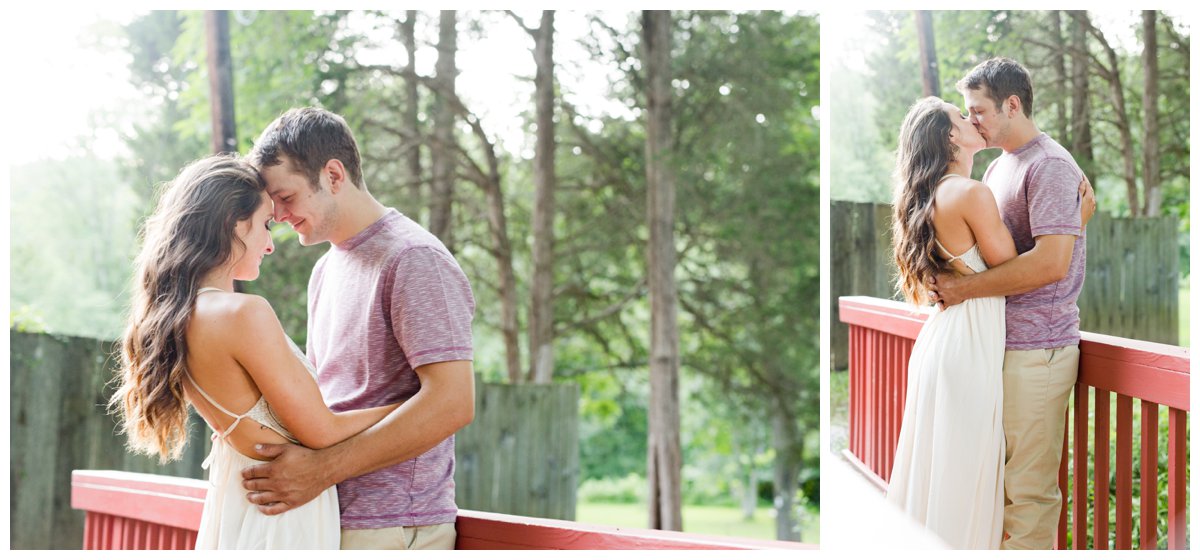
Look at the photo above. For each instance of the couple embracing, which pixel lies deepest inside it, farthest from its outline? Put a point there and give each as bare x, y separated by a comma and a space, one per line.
991, 371
349, 446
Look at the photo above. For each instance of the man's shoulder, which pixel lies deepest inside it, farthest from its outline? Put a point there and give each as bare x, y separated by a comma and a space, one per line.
1049, 151
402, 234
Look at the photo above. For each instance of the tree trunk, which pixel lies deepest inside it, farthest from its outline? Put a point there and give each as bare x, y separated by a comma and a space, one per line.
1081, 110
220, 82
541, 311
1112, 75
412, 156
788, 456
220, 88
502, 249
664, 454
443, 152
1151, 172
929, 71
1059, 62
750, 493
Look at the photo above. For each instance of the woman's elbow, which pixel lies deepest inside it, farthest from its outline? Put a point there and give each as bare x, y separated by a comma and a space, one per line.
317, 438
466, 414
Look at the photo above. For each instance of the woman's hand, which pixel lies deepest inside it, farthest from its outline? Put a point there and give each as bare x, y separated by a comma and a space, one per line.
1088, 202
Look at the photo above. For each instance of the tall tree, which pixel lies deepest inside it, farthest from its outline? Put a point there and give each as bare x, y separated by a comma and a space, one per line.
1151, 171
443, 152
412, 109
220, 81
664, 455
541, 308
220, 87
1058, 58
1110, 70
929, 60
1081, 110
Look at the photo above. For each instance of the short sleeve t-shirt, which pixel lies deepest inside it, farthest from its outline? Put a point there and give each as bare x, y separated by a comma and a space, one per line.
381, 304
1037, 190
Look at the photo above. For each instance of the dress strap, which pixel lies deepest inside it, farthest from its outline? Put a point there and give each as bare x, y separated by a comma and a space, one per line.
236, 417
953, 257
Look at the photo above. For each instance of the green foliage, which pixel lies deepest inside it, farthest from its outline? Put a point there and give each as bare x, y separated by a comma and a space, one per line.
71, 246
965, 38
629, 489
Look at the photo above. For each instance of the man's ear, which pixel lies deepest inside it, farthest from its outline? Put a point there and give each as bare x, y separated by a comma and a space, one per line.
336, 173
1012, 105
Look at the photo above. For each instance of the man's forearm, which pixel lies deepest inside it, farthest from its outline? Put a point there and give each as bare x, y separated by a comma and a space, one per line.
1024, 273
435, 413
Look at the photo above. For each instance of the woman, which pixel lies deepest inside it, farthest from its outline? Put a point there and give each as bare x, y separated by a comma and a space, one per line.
949, 464
191, 340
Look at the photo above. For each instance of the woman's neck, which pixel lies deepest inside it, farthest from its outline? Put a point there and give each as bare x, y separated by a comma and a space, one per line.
221, 280
961, 166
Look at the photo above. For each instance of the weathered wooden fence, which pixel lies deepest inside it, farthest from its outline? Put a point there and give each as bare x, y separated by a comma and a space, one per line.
519, 456
1131, 289
57, 422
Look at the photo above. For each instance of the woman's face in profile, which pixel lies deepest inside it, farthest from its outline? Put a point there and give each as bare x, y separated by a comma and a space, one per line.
255, 234
963, 133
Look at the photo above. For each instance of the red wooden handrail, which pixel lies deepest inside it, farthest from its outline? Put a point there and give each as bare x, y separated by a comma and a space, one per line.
881, 338
127, 511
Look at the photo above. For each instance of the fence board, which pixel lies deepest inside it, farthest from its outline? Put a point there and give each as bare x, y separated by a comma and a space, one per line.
521, 454
1131, 289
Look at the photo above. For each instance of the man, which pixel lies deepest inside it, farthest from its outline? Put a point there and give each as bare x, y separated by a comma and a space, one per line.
389, 319
1044, 201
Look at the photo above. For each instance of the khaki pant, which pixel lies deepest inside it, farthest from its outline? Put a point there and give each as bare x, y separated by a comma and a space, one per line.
1037, 385
421, 537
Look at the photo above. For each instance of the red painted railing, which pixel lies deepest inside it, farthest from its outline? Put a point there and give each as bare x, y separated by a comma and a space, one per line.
881, 338
128, 511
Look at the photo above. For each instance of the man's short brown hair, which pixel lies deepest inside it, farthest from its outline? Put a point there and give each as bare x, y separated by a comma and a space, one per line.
309, 137
1003, 77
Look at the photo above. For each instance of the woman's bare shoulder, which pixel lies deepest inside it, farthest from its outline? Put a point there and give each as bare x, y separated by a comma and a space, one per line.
233, 313
961, 193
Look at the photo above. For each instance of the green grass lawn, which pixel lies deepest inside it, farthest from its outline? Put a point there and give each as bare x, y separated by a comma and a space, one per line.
705, 520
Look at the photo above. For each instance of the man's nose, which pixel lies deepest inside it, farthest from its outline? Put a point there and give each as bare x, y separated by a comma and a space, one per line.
279, 213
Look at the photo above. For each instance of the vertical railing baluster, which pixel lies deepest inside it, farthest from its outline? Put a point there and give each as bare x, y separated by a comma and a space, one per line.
1177, 457
1100, 526
1149, 540
1079, 479
877, 374
1124, 528
1060, 541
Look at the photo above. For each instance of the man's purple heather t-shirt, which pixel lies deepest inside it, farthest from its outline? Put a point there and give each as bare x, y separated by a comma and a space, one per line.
1037, 189
380, 305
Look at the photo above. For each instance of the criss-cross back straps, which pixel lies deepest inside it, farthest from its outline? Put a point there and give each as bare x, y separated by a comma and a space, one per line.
953, 257
236, 417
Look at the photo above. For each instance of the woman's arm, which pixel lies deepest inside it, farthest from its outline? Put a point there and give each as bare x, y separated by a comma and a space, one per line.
982, 215
259, 344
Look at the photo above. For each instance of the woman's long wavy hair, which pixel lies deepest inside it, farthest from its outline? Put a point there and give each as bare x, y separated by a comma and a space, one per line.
924, 153
191, 232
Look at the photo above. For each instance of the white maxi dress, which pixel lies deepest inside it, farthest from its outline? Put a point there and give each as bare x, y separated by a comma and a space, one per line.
948, 472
